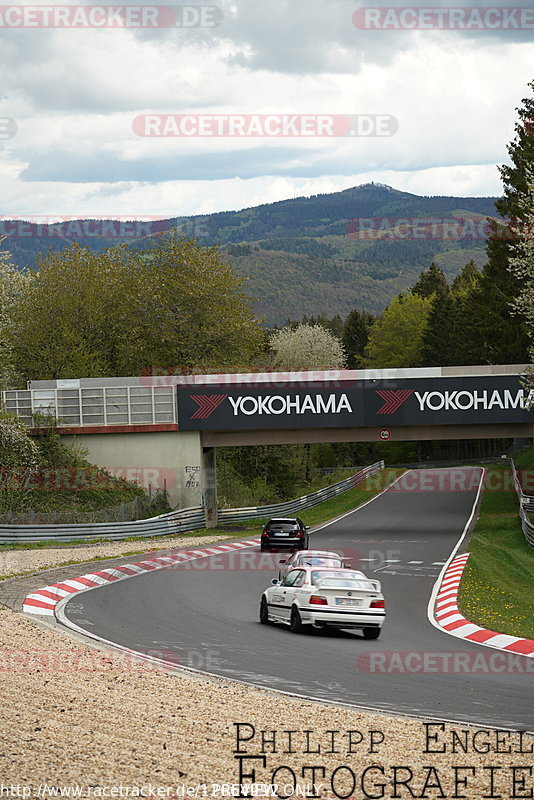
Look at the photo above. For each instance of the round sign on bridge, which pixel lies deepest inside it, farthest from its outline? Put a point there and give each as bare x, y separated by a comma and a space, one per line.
384, 434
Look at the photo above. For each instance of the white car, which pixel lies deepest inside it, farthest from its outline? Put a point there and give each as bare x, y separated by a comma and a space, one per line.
311, 558
322, 597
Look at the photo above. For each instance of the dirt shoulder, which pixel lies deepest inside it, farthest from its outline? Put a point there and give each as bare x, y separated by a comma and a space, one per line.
17, 562
76, 716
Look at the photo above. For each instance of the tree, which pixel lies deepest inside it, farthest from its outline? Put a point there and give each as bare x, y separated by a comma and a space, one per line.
521, 262
436, 348
495, 334
430, 282
356, 335
184, 305
173, 305
12, 284
396, 338
306, 347
467, 279
17, 448
462, 290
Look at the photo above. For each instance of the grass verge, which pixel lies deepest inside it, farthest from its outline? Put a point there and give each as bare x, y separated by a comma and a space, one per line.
496, 588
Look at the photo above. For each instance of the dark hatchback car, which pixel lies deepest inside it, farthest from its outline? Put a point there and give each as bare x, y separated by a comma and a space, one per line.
286, 532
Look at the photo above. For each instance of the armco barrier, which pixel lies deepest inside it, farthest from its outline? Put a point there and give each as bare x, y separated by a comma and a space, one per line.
185, 519
526, 507
301, 503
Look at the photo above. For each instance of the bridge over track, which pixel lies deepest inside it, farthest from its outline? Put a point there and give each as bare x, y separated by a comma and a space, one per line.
167, 427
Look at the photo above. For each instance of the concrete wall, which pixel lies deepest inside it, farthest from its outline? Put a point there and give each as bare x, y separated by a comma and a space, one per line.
157, 459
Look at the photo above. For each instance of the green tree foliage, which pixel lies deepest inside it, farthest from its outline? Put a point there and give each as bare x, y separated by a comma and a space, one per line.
356, 336
12, 284
467, 280
431, 281
259, 474
521, 262
438, 338
444, 342
396, 339
123, 312
495, 334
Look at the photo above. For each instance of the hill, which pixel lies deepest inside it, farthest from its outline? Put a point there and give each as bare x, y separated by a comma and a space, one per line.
310, 255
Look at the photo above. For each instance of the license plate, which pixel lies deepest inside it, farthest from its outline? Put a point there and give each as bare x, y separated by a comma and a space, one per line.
348, 601
282, 533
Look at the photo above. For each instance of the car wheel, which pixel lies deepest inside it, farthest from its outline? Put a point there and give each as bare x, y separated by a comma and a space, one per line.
295, 622
264, 612
371, 633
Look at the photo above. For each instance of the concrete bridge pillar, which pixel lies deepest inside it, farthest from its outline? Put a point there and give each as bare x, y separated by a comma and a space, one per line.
159, 459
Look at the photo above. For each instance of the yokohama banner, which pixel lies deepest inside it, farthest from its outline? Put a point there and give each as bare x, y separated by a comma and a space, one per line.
349, 404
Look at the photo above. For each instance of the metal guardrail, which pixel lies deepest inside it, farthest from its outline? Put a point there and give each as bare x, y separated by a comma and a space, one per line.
229, 515
185, 519
526, 507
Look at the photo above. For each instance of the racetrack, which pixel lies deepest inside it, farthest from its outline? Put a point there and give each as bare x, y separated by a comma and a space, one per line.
210, 608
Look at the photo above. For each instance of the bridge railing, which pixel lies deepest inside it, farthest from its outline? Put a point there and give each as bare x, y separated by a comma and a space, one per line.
106, 405
228, 515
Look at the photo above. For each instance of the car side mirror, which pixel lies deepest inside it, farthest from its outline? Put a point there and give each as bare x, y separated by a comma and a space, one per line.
283, 561
347, 563
307, 527
275, 581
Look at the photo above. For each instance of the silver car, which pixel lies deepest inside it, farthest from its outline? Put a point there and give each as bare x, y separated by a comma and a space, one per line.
311, 558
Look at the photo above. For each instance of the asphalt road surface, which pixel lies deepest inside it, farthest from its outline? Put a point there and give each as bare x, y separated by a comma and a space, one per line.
205, 615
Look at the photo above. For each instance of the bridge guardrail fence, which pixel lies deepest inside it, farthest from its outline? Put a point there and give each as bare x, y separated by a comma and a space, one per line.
228, 515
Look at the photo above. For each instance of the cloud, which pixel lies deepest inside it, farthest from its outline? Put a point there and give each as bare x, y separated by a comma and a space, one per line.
74, 95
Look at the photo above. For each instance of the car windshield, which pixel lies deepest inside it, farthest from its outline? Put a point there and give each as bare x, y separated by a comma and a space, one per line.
318, 561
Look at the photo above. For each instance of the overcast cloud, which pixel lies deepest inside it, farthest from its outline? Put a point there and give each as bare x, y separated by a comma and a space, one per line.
75, 94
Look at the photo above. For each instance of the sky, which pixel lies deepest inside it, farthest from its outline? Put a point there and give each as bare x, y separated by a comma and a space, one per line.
427, 110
